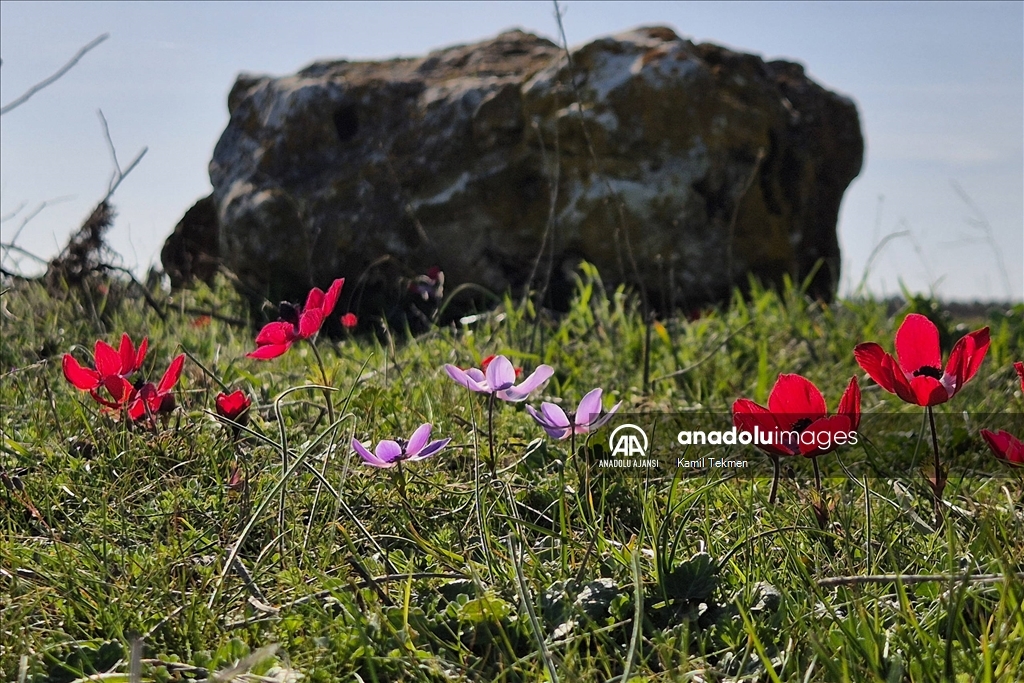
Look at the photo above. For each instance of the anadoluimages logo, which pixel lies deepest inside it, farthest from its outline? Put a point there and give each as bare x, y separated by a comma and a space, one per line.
626, 441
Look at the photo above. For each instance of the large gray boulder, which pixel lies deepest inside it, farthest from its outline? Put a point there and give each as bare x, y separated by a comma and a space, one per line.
678, 167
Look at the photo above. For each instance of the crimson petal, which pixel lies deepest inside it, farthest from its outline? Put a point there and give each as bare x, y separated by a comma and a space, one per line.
85, 379
331, 298
797, 398
276, 333
917, 344
108, 361
966, 357
849, 404
871, 358
928, 391
170, 377
310, 322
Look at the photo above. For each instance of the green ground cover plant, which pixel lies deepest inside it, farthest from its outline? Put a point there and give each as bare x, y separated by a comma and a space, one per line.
212, 518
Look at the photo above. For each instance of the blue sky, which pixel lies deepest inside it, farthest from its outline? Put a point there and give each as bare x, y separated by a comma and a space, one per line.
939, 86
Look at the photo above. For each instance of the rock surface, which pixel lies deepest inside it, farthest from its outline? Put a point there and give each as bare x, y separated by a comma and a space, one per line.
677, 166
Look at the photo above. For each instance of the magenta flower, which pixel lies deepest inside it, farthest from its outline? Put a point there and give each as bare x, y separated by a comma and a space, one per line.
112, 370
277, 337
916, 374
157, 399
586, 419
498, 378
390, 453
1005, 446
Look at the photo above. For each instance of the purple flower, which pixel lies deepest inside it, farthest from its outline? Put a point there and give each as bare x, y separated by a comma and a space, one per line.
390, 453
587, 417
498, 377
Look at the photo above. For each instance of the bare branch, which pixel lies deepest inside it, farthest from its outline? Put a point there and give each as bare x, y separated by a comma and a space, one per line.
118, 174
121, 176
8, 216
60, 72
13, 247
35, 212
113, 152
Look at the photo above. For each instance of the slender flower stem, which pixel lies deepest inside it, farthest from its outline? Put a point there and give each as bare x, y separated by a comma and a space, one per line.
939, 481
478, 493
323, 373
776, 473
490, 434
563, 507
817, 476
400, 483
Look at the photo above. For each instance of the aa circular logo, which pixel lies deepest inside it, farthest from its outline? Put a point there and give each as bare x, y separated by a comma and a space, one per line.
628, 441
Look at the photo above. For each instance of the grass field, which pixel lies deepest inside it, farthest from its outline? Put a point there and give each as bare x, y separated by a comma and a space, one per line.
117, 537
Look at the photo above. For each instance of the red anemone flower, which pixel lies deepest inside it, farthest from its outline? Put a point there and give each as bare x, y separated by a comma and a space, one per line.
1005, 446
916, 374
112, 369
349, 321
1019, 367
796, 421
157, 399
277, 337
233, 406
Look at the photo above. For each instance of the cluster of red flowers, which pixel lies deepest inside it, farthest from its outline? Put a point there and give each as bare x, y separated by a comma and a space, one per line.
113, 368
916, 375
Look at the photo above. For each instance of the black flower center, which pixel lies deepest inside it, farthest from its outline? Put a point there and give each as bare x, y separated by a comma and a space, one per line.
288, 312
928, 371
802, 424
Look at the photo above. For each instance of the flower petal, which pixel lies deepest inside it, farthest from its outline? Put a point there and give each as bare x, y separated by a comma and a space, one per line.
310, 322
418, 439
140, 355
314, 300
389, 451
278, 332
331, 298
917, 344
170, 377
108, 361
85, 379
795, 398
849, 404
232, 405
268, 351
825, 426
1005, 446
928, 391
872, 359
554, 415
603, 420
144, 401
368, 457
500, 374
589, 409
966, 358
749, 416
900, 384
519, 393
119, 388
466, 378
430, 449
126, 350
1019, 367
